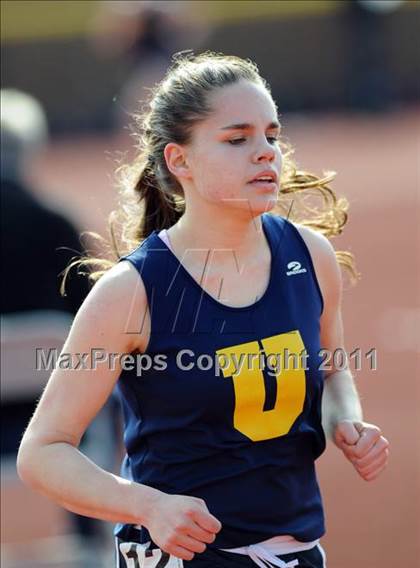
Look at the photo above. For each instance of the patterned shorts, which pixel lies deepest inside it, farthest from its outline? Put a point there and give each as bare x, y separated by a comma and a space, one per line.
133, 555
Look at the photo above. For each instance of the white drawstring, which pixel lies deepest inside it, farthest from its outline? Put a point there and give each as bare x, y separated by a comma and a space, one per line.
265, 559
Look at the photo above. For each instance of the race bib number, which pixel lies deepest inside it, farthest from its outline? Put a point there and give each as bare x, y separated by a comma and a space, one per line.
137, 556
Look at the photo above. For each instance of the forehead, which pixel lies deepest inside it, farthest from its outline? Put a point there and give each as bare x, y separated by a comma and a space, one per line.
242, 102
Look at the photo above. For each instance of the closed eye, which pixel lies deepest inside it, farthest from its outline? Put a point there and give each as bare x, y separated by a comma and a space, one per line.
238, 141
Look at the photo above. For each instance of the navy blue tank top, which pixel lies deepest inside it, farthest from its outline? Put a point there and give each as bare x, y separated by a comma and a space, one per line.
229, 409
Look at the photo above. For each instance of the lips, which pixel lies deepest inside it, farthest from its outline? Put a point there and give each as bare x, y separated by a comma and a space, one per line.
266, 176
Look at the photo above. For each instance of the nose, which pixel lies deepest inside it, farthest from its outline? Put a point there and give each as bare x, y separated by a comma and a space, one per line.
264, 152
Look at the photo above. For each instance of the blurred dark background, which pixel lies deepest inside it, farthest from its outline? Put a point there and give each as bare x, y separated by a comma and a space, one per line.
316, 54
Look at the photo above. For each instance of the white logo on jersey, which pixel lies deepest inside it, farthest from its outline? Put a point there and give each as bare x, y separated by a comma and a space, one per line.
294, 267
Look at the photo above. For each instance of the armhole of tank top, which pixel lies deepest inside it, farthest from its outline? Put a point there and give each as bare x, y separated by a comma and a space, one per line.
311, 264
148, 299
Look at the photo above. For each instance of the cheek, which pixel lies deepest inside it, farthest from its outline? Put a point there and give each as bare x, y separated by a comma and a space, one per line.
218, 184
218, 176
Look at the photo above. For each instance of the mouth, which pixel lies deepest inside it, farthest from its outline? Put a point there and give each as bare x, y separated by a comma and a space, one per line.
266, 180
264, 185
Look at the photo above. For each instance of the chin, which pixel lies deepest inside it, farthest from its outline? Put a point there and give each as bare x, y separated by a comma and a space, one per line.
253, 206
258, 206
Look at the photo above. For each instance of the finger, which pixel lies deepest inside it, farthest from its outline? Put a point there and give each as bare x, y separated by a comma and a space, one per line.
346, 433
349, 452
347, 449
359, 426
381, 445
190, 543
207, 521
368, 438
201, 534
180, 552
374, 474
381, 460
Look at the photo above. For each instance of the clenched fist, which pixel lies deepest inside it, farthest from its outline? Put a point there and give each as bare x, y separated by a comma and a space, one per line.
364, 446
182, 525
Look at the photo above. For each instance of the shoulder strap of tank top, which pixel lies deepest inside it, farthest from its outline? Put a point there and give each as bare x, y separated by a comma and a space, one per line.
276, 228
151, 259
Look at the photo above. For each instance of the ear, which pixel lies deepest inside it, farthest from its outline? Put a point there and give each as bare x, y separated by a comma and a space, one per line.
176, 160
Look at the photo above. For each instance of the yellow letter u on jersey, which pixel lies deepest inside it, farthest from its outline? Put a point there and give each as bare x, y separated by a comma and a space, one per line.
249, 417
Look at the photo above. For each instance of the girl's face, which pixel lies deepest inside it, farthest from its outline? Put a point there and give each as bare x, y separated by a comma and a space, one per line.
236, 144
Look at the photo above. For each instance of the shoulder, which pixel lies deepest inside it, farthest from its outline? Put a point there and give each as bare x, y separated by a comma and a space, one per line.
317, 243
325, 262
115, 304
116, 282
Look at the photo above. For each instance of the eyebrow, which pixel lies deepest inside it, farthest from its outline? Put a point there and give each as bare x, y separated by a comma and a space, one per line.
248, 126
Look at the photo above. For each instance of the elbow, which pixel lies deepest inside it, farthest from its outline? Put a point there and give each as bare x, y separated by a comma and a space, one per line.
26, 464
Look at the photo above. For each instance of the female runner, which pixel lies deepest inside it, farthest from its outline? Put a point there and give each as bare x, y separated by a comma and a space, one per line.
216, 320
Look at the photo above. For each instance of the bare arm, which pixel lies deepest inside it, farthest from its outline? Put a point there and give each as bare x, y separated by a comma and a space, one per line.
341, 400
49, 460
342, 417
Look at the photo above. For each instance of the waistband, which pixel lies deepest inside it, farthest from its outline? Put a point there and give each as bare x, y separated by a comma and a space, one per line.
265, 551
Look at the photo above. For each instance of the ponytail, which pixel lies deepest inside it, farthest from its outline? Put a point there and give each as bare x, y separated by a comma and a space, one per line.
161, 208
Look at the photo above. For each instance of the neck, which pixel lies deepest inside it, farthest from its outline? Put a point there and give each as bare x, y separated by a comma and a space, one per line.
232, 230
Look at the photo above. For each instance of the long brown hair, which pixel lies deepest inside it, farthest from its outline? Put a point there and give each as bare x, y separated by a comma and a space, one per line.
151, 198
